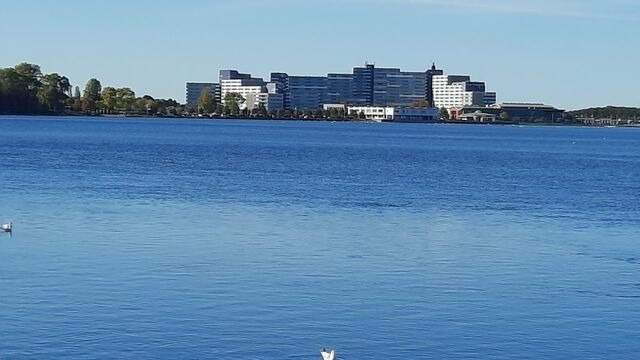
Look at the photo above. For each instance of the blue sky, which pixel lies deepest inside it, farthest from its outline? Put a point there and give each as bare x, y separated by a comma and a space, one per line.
569, 53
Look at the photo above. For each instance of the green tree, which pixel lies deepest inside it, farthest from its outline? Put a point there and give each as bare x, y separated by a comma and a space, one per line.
260, 111
88, 105
206, 102
92, 90
30, 75
219, 109
17, 97
75, 104
171, 111
444, 114
91, 95
504, 116
232, 102
125, 97
53, 92
109, 99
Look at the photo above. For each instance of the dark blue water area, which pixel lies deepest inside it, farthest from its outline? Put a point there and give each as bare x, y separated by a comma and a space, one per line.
189, 239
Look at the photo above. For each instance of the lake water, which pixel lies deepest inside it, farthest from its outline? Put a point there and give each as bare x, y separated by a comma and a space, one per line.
270, 240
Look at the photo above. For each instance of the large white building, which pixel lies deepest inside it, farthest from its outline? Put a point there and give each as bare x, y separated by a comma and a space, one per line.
458, 90
254, 91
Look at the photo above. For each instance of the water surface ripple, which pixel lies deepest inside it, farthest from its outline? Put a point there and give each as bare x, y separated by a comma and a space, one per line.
270, 240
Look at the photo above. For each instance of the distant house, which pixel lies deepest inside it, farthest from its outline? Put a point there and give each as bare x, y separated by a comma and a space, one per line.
477, 116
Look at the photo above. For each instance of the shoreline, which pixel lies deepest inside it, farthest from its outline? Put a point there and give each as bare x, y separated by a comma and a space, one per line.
329, 120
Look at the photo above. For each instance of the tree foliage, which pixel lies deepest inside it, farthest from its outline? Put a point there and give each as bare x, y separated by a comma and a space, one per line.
206, 102
444, 114
92, 90
615, 112
24, 89
232, 102
19, 88
52, 92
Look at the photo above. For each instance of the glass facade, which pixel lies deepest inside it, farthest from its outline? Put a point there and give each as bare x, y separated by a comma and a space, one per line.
339, 88
194, 90
365, 86
307, 92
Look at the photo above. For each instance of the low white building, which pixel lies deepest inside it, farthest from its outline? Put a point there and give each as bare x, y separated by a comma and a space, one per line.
374, 113
395, 114
477, 116
339, 107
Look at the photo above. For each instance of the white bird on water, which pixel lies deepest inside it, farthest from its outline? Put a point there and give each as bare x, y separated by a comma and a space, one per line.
7, 227
328, 354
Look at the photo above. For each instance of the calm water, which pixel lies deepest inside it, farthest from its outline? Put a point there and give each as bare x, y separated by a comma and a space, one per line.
270, 240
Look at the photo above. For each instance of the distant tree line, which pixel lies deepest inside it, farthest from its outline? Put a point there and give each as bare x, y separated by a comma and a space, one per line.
233, 105
608, 112
24, 90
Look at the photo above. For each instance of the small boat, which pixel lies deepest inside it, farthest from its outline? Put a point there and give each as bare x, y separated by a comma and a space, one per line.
7, 227
328, 354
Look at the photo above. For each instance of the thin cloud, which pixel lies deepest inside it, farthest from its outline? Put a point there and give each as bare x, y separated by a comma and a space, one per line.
573, 8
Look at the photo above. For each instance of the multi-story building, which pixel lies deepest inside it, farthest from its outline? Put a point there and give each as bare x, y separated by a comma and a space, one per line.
195, 89
270, 101
250, 88
301, 92
387, 86
429, 83
307, 92
340, 88
490, 98
366, 86
281, 81
363, 85
274, 99
254, 91
458, 90
392, 87
232, 81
